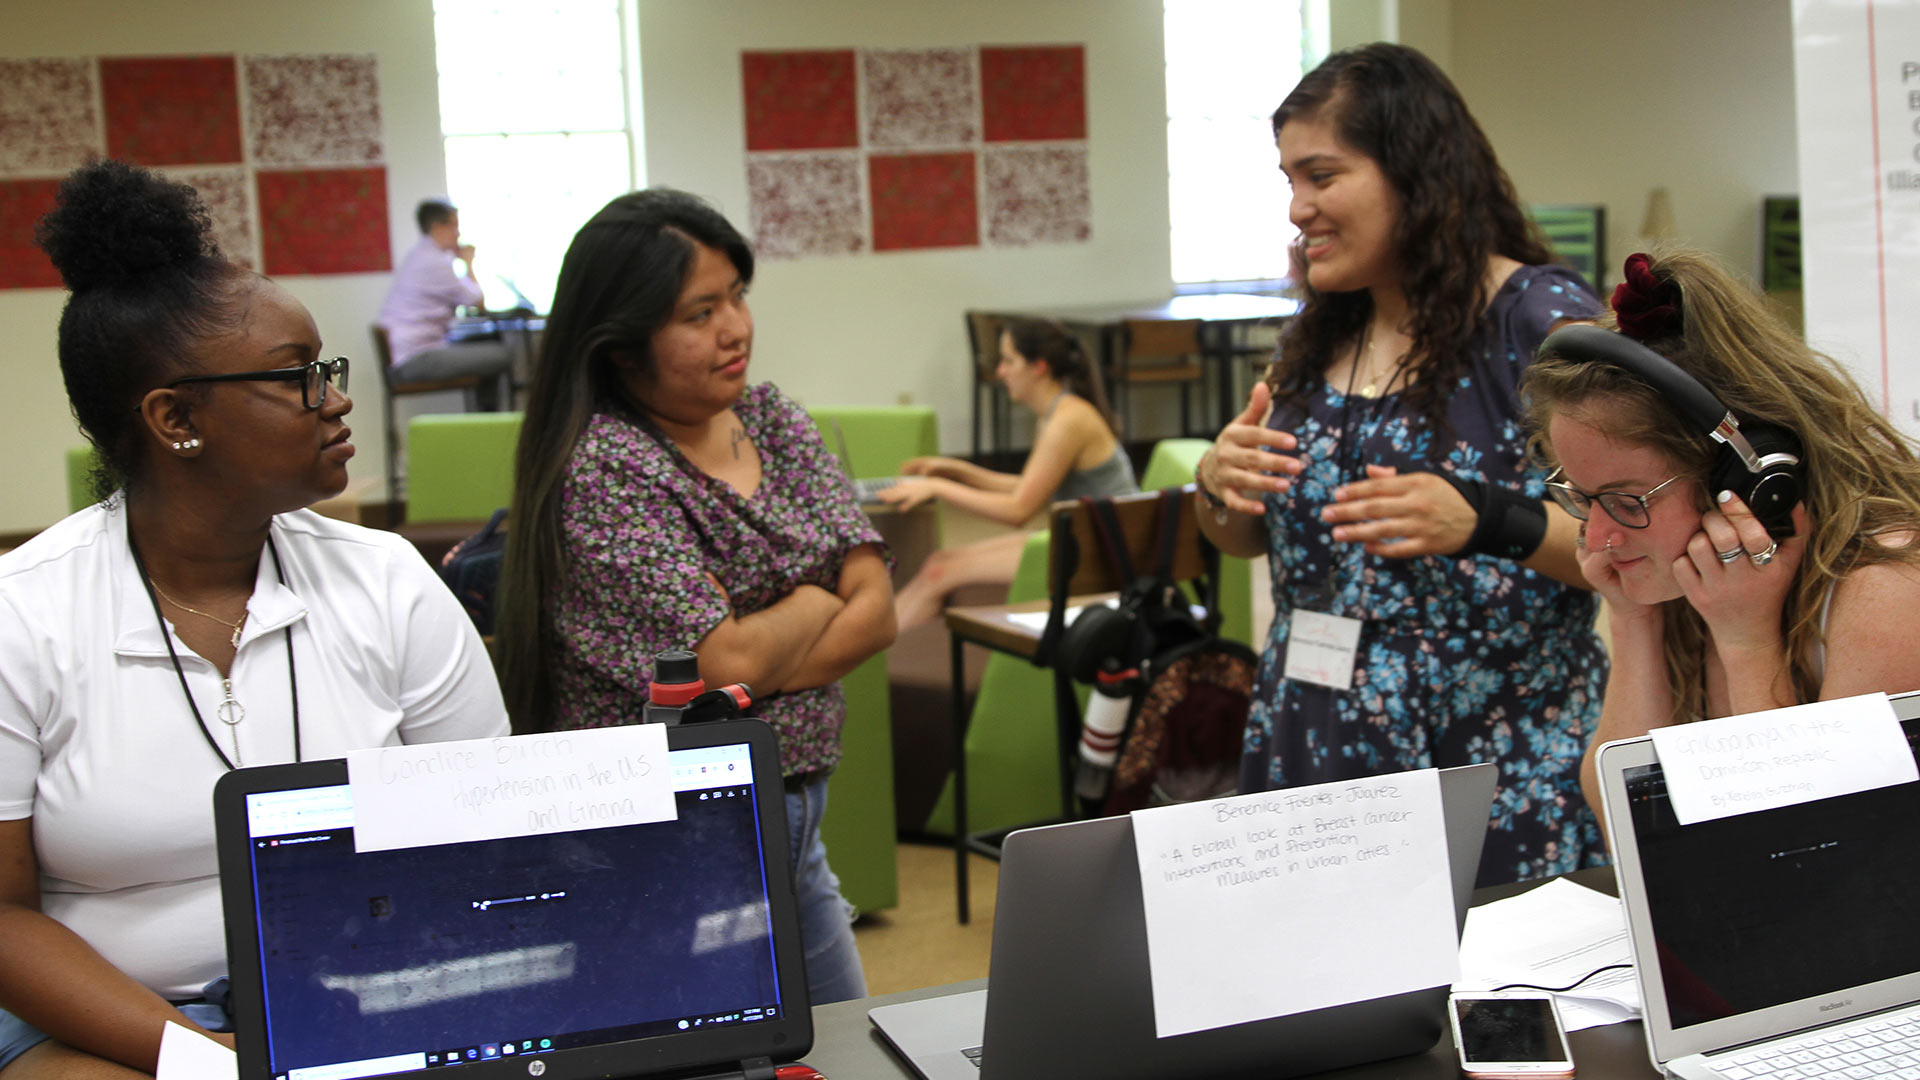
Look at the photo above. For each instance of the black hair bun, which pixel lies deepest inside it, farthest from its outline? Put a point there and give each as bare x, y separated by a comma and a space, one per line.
116, 223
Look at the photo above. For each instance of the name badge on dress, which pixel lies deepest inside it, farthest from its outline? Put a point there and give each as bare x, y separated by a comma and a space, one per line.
1321, 649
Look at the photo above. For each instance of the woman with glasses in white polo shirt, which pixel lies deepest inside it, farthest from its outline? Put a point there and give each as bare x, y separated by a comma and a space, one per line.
195, 620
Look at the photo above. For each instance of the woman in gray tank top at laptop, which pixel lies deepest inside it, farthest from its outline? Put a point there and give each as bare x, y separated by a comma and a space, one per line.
1076, 451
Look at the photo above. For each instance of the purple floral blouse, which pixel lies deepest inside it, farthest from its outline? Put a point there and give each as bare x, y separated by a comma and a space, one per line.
643, 528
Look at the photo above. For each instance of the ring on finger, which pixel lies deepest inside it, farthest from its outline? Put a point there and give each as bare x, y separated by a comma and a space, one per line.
1729, 556
1762, 558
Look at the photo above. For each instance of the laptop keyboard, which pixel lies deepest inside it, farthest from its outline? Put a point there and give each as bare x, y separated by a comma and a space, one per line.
973, 1055
869, 490
1886, 1046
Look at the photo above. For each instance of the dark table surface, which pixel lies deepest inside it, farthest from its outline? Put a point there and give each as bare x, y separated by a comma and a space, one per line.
847, 1048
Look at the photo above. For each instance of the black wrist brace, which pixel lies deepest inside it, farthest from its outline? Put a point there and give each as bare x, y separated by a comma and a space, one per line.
1509, 525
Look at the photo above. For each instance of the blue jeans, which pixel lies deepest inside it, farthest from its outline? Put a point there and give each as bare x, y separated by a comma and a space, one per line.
826, 919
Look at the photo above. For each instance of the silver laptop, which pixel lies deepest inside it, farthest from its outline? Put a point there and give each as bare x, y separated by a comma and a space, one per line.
1069, 992
1783, 943
865, 490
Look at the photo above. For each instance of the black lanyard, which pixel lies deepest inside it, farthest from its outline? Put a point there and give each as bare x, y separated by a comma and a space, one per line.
293, 684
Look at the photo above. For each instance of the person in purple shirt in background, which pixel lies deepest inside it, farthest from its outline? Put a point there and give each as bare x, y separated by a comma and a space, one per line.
420, 307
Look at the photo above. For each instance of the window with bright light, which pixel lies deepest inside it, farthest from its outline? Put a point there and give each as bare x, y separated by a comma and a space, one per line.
1229, 64
538, 114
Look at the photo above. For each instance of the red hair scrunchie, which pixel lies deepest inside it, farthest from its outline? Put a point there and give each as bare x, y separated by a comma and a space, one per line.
1646, 307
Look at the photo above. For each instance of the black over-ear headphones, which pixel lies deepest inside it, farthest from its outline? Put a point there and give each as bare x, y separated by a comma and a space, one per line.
1761, 463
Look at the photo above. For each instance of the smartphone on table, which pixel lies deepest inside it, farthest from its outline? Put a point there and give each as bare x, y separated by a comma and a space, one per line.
1510, 1035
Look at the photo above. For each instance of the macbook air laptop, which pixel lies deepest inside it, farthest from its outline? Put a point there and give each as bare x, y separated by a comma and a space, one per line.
664, 949
1069, 993
1781, 943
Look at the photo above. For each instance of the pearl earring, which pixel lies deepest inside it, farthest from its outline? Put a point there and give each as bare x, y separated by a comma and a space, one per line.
193, 443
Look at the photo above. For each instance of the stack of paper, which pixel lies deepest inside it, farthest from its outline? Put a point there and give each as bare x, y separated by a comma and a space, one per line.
1551, 937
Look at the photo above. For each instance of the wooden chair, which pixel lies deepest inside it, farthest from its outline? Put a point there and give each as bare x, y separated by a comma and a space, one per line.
983, 338
1155, 352
468, 385
1077, 573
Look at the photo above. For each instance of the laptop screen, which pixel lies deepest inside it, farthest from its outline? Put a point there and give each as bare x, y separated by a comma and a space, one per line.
1761, 909
422, 958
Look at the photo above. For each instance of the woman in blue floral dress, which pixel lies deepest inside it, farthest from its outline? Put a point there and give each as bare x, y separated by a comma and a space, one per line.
1429, 609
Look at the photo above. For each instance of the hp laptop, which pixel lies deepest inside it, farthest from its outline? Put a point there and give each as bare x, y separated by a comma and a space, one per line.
664, 949
1769, 944
1069, 993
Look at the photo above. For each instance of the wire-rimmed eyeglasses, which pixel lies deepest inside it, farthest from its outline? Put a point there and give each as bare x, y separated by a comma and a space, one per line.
314, 378
1624, 507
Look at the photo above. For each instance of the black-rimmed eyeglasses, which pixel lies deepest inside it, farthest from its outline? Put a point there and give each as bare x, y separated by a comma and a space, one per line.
1624, 507
314, 378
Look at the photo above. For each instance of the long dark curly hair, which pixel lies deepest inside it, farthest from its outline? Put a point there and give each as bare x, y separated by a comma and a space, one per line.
1457, 209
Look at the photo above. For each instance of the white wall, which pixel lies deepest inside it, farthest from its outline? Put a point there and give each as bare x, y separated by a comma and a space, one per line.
1600, 103
1585, 103
39, 427
882, 328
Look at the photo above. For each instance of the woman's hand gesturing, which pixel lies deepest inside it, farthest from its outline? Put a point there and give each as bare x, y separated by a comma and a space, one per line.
1401, 517
1243, 463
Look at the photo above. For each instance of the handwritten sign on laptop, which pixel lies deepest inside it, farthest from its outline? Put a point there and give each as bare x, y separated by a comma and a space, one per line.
1759, 761
1286, 901
515, 785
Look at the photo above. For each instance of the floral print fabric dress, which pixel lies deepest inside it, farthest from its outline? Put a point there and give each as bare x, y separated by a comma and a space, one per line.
1461, 658
645, 530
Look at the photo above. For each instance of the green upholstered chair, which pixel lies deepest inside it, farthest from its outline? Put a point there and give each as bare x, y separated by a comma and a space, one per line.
80, 460
859, 829
460, 465
1013, 750
1173, 462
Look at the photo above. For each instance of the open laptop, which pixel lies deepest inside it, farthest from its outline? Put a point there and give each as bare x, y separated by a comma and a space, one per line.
1069, 993
865, 491
664, 949
1794, 925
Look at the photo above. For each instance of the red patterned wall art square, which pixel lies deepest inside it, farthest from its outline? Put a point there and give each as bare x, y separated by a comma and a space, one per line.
800, 100
1034, 92
324, 221
923, 201
171, 110
48, 120
806, 204
22, 264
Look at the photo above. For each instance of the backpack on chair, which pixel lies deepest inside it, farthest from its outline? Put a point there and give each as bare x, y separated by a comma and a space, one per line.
1184, 727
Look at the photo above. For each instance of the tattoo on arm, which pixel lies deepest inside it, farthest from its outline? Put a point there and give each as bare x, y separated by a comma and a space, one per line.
739, 436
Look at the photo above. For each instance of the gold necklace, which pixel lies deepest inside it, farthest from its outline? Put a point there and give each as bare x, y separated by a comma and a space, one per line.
1372, 389
234, 626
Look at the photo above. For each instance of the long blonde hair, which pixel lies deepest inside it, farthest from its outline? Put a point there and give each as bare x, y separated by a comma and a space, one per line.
1861, 475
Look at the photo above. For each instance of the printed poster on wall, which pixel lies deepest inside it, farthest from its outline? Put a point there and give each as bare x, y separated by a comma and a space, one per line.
1857, 87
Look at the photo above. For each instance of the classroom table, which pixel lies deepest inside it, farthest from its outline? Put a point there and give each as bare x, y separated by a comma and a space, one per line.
1225, 319
845, 1046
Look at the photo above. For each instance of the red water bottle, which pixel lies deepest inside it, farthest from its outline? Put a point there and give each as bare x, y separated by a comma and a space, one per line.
676, 681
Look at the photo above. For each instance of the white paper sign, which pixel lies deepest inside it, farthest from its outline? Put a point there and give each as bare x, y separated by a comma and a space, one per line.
185, 1054
1321, 649
1286, 901
515, 785
1759, 761
1857, 91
